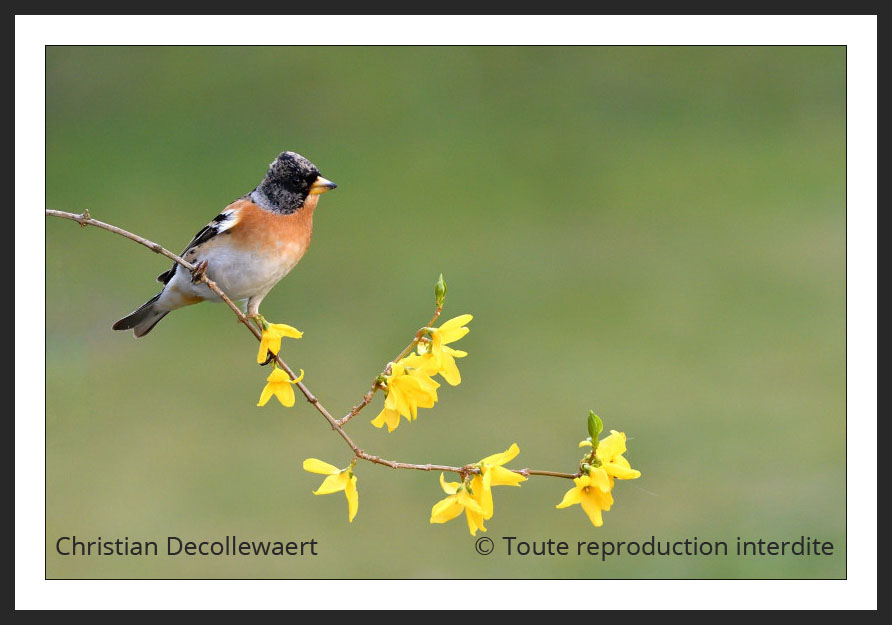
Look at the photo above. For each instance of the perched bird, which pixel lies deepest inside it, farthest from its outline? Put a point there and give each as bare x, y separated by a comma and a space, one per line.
247, 248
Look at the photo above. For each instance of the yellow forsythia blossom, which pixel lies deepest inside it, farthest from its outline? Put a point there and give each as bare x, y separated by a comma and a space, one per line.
592, 499
421, 363
410, 385
492, 473
459, 500
337, 480
388, 417
271, 339
613, 465
279, 384
592, 491
407, 391
445, 356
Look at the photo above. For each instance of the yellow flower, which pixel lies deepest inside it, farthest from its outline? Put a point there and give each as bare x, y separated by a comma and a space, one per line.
492, 473
613, 465
445, 356
337, 480
279, 384
407, 391
449, 332
410, 385
590, 496
459, 499
421, 363
388, 417
427, 387
592, 490
271, 339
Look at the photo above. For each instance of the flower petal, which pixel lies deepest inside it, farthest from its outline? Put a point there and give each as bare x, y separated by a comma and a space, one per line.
446, 510
571, 497
465, 499
450, 335
390, 400
449, 488
613, 445
475, 522
422, 363
261, 351
277, 375
455, 353
265, 395
605, 500
352, 498
273, 344
314, 465
620, 472
282, 329
284, 393
452, 330
397, 393
389, 417
482, 490
582, 481
506, 456
427, 384
599, 479
436, 343
333, 484
500, 476
590, 505
449, 370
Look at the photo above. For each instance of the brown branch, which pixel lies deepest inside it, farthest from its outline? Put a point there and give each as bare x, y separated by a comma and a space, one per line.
366, 400
464, 471
85, 219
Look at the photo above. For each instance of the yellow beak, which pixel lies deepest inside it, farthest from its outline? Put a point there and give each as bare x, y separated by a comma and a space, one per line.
321, 186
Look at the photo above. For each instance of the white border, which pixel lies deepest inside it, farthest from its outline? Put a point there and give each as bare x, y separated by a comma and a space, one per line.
445, 30
858, 33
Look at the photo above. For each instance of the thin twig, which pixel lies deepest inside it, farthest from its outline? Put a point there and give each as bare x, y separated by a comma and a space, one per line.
85, 219
529, 472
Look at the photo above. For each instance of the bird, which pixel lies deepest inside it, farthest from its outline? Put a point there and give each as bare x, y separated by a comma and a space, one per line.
247, 249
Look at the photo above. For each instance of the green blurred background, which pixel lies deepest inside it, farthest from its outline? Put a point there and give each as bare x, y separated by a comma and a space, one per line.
654, 233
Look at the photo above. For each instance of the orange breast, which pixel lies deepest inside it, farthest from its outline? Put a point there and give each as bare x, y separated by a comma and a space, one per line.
266, 232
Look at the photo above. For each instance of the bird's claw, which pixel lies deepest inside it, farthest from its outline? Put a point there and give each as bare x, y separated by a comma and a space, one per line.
198, 271
261, 323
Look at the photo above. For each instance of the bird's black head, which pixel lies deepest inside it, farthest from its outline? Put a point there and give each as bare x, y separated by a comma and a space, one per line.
289, 181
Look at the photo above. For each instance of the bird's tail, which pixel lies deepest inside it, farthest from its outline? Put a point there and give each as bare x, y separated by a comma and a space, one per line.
143, 319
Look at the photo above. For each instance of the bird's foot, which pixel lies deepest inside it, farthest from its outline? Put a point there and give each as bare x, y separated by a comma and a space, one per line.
198, 271
257, 318
261, 323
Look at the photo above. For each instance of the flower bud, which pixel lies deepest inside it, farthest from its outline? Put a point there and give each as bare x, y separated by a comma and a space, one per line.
594, 427
440, 291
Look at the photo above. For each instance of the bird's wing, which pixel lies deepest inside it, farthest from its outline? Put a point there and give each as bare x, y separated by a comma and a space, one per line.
221, 223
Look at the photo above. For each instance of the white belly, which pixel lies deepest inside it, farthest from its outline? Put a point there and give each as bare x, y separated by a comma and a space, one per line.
240, 274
